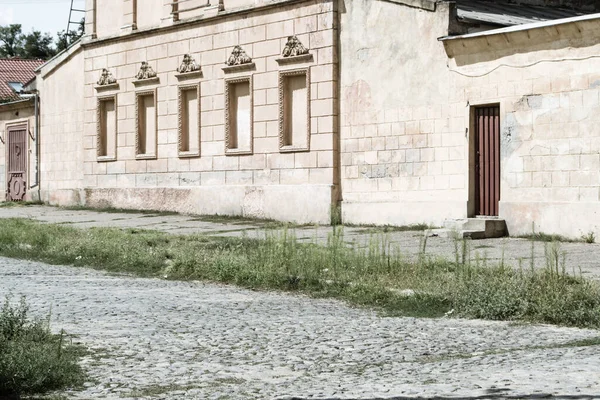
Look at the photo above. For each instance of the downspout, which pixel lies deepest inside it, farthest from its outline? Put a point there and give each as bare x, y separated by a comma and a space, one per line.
36, 112
36, 135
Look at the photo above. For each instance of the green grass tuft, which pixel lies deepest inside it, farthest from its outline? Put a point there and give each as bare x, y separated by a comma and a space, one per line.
376, 276
32, 359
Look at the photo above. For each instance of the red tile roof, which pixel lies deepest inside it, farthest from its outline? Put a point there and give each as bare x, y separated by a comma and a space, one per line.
15, 70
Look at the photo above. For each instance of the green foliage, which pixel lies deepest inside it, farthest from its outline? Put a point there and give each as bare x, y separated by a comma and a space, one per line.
32, 359
12, 41
590, 237
35, 45
378, 275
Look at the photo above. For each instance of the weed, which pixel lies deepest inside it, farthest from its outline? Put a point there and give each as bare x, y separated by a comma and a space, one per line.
590, 237
32, 359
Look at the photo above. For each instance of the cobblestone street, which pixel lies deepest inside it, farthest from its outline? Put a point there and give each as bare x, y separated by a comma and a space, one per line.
159, 339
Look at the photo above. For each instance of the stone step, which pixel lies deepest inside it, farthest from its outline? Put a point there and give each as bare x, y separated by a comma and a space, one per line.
474, 228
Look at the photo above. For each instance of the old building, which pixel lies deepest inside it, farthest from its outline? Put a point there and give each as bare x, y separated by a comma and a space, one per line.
394, 111
18, 127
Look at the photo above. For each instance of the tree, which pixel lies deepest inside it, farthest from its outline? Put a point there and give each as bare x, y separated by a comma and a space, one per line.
65, 39
38, 45
12, 40
14, 43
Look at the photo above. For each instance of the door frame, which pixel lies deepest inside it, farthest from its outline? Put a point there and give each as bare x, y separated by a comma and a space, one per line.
472, 206
14, 126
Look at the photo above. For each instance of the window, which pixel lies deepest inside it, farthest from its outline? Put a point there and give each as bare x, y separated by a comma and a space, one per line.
238, 115
294, 110
146, 134
17, 87
106, 141
147, 13
189, 121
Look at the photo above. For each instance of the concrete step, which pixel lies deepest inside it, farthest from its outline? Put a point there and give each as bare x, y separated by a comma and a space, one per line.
474, 228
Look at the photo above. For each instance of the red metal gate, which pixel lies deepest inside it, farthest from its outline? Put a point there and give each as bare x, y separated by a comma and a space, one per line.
487, 168
17, 163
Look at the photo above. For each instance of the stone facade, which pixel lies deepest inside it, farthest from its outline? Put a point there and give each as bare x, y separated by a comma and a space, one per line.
264, 182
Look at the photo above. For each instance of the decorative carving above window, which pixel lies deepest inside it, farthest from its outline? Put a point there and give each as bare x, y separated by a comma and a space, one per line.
238, 60
145, 75
107, 81
106, 78
294, 51
189, 68
294, 47
238, 56
188, 65
145, 72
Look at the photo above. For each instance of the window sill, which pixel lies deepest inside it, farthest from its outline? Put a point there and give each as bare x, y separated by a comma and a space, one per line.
238, 152
106, 158
293, 149
189, 154
146, 157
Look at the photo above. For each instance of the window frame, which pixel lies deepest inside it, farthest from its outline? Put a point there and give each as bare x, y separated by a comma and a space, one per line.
228, 83
99, 116
180, 90
138, 96
283, 75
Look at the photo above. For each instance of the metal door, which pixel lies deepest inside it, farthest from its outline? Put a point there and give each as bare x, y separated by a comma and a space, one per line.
487, 168
17, 163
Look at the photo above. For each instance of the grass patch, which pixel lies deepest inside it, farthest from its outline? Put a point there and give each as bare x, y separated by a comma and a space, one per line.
114, 210
392, 228
378, 275
20, 203
545, 237
34, 361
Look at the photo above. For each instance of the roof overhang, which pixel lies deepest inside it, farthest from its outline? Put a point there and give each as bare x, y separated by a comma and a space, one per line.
523, 28
17, 104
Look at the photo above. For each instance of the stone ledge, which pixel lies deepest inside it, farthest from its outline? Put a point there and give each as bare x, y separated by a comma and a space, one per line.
149, 81
239, 68
105, 88
295, 59
189, 75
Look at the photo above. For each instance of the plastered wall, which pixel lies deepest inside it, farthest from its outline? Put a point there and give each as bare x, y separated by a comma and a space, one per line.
61, 133
402, 142
407, 138
548, 86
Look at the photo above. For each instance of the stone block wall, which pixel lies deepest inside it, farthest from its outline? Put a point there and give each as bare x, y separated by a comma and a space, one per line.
262, 33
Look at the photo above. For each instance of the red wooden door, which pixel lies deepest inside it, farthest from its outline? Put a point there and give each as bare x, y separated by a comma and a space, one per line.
487, 168
17, 163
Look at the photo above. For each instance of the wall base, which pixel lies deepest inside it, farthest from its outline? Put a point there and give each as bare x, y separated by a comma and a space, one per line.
561, 218
403, 213
63, 197
292, 203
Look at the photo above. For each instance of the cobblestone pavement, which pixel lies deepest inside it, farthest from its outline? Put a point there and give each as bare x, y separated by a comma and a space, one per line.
159, 339
579, 256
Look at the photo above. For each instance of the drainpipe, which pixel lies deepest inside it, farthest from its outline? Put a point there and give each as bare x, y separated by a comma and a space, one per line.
36, 134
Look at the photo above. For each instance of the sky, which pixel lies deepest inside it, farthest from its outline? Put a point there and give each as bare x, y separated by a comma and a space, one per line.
42, 15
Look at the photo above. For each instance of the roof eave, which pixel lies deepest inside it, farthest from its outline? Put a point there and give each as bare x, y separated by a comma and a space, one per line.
522, 28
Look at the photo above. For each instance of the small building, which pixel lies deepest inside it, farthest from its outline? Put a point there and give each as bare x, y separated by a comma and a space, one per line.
392, 111
18, 163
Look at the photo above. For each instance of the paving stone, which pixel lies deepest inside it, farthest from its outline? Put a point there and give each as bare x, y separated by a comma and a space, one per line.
159, 339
